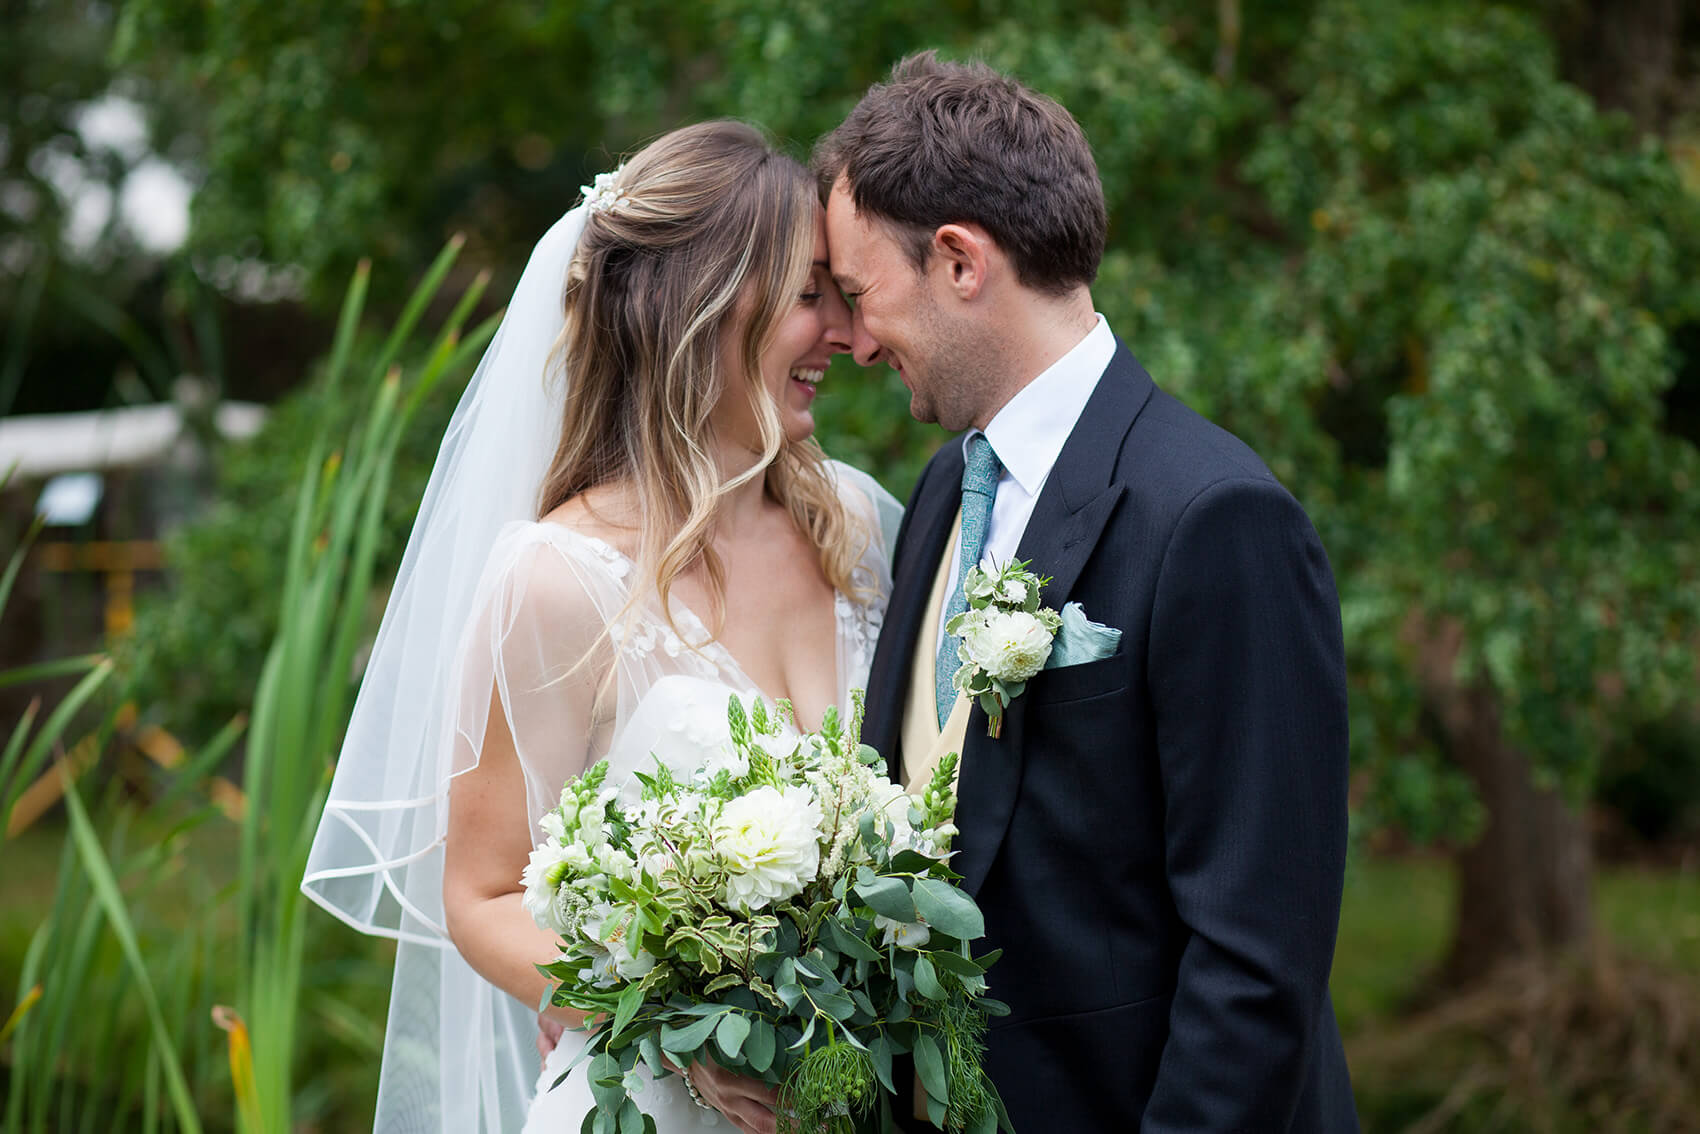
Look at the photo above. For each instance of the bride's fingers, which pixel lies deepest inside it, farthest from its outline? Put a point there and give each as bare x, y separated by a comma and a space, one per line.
747, 1103
752, 1118
548, 1035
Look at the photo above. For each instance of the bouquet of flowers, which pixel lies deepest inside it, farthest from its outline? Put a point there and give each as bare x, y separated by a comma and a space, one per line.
783, 909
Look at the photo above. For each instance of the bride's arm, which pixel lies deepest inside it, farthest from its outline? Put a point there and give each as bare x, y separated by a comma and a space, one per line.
489, 841
528, 698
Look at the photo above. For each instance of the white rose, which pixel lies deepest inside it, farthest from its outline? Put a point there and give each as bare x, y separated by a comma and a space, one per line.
769, 840
1009, 645
541, 878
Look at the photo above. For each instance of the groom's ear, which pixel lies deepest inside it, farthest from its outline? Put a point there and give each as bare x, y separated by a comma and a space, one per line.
965, 252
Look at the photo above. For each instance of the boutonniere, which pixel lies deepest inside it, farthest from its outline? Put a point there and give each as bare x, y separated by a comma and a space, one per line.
1003, 638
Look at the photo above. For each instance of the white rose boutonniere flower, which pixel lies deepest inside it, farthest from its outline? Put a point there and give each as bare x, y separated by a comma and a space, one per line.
1003, 638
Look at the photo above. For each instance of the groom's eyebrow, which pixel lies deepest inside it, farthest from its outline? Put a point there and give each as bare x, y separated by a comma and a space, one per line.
844, 282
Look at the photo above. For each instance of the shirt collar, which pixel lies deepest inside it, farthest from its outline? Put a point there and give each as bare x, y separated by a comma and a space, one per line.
1030, 430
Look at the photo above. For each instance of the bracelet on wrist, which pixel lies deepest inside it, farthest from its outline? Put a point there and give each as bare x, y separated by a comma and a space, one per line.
691, 1089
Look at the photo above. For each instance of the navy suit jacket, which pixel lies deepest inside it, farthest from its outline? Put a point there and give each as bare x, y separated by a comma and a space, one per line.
1158, 838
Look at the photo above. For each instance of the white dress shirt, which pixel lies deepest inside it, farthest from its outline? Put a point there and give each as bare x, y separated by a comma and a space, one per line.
1029, 433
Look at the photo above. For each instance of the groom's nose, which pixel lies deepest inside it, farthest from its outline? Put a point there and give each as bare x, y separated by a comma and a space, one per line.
864, 348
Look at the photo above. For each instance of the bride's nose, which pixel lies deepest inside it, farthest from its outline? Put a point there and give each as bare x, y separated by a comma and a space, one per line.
835, 322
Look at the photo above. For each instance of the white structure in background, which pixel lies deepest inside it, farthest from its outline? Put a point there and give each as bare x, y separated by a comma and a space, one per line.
46, 445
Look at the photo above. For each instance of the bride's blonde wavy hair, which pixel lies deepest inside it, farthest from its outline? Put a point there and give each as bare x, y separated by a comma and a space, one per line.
710, 222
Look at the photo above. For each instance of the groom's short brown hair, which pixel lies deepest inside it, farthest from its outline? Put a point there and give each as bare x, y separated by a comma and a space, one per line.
942, 143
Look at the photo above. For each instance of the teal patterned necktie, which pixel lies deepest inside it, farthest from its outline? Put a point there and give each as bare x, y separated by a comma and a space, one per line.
979, 487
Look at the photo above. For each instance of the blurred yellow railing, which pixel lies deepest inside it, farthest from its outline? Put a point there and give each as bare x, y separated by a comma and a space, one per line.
117, 560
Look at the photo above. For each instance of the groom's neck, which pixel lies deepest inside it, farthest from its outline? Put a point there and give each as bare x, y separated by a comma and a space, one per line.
1036, 330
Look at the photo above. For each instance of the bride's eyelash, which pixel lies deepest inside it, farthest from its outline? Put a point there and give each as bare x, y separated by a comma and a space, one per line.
810, 296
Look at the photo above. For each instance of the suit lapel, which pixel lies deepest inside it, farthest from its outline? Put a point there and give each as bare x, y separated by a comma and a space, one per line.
1078, 498
926, 532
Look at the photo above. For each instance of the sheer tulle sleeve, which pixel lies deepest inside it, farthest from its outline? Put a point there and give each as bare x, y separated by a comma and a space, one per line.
539, 653
861, 615
867, 498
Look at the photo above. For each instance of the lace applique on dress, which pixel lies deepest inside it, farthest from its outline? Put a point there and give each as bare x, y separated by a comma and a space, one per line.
859, 628
641, 634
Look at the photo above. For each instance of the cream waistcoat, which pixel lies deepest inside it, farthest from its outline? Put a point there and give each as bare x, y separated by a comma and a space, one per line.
923, 741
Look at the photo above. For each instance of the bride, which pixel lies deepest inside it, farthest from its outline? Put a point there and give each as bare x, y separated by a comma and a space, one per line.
628, 522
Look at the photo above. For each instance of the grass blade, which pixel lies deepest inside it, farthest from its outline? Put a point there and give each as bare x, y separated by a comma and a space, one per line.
417, 302
17, 560
196, 771
105, 887
28, 1001
348, 324
14, 746
41, 671
36, 754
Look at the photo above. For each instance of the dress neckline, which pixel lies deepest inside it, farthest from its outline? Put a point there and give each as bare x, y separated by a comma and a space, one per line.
705, 641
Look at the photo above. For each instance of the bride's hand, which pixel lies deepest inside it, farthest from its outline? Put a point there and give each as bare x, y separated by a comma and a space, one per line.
548, 1035
749, 1103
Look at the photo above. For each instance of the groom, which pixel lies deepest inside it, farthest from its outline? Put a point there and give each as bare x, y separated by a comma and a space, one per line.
1157, 837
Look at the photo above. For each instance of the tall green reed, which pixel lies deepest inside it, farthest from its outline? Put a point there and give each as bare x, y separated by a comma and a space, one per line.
302, 702
107, 972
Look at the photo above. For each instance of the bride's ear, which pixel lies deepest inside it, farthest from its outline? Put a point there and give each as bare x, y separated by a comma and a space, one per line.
964, 253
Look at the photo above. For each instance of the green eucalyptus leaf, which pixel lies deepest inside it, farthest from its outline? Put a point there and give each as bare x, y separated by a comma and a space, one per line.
929, 1064
850, 944
926, 980
802, 1041
630, 1001
880, 1054
955, 963
948, 909
759, 1045
732, 1031
888, 897
687, 1039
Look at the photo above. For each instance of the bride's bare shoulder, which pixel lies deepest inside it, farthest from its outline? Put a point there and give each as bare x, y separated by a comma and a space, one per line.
602, 513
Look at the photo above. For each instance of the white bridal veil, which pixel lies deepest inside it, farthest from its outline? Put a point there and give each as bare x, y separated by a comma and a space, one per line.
459, 1054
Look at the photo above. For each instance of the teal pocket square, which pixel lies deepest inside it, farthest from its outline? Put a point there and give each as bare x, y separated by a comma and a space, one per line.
1080, 639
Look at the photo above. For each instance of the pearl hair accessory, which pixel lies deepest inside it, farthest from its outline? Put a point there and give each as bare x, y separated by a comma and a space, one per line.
605, 193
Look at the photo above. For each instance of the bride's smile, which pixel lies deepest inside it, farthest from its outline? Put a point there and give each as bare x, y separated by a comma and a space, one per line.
816, 327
